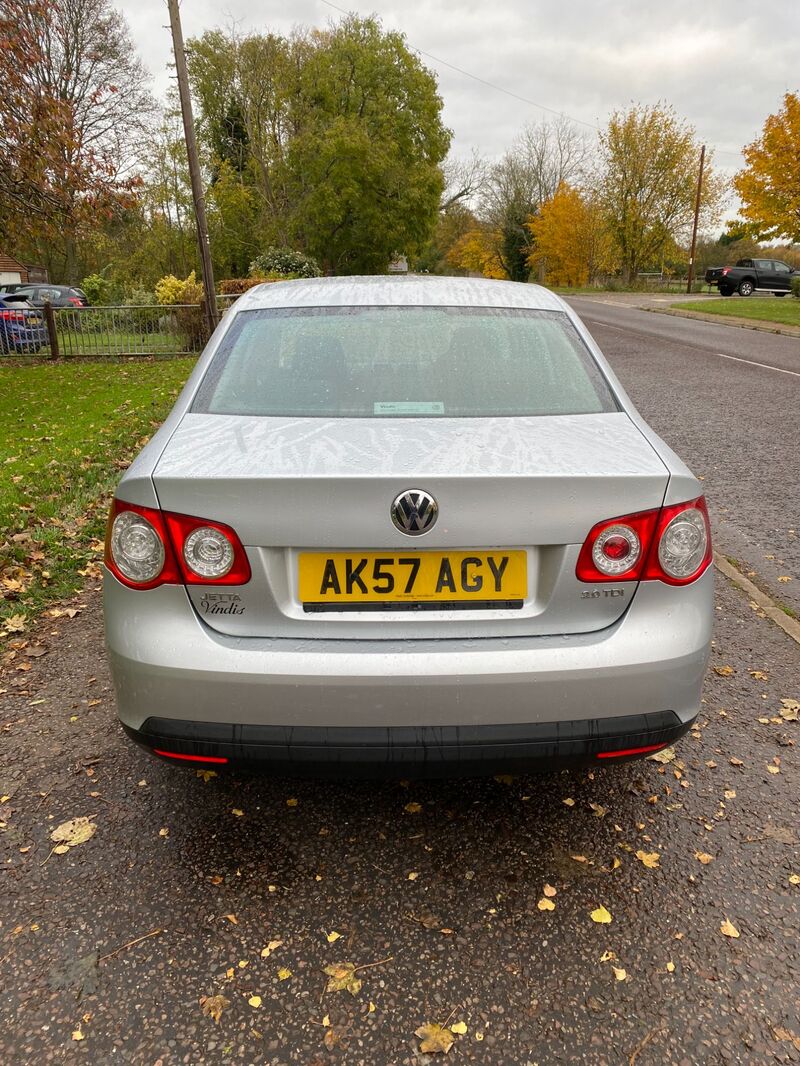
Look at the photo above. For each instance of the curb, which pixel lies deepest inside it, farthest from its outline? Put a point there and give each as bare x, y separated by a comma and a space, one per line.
789, 625
725, 320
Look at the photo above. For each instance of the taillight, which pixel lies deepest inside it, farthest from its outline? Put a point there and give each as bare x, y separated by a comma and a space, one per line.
75, 301
724, 271
138, 551
146, 547
209, 553
670, 544
12, 316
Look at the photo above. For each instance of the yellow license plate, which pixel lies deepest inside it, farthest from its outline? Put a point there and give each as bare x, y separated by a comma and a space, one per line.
414, 579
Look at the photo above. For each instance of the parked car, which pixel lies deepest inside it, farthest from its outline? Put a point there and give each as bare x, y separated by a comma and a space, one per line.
21, 326
56, 295
753, 275
406, 525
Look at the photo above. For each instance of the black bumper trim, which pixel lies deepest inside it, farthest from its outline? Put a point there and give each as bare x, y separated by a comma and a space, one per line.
411, 750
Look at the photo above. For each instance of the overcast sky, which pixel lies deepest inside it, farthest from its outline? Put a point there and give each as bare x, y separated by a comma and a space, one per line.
723, 66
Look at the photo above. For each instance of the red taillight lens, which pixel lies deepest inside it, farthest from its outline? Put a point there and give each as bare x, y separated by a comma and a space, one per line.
75, 301
12, 316
724, 271
146, 547
189, 758
670, 544
209, 553
138, 551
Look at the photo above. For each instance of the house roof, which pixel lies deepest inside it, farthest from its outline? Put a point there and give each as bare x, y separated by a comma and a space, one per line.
9, 264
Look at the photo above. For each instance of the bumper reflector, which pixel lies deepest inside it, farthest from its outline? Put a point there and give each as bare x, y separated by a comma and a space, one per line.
190, 758
629, 751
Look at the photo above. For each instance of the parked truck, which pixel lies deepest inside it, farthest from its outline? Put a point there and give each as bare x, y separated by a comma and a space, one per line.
752, 275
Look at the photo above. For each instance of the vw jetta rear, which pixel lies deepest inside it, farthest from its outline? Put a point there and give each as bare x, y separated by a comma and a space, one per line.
406, 524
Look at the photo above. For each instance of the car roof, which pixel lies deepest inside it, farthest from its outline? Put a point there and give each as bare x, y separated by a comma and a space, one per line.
380, 290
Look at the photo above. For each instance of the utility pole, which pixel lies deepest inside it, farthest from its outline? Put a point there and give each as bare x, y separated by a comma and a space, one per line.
696, 217
212, 316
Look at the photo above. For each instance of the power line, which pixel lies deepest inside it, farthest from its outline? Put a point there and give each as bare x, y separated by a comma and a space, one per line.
482, 81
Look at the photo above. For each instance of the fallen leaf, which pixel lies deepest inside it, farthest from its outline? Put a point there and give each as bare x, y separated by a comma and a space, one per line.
549, 890
665, 756
284, 974
231, 918
600, 812
729, 793
434, 1039
648, 859
333, 937
608, 956
326, 1021
619, 973
784, 578
601, 916
579, 858
164, 832
790, 712
670, 967
773, 769
413, 876
371, 1008
703, 857
568, 802
727, 929
413, 808
342, 978
736, 762
794, 879
272, 946
723, 671
237, 812
213, 1006
759, 675
291, 802
459, 1028
74, 832
546, 905
77, 1035
255, 1001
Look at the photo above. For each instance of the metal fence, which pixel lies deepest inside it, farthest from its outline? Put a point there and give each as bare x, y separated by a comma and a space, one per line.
140, 330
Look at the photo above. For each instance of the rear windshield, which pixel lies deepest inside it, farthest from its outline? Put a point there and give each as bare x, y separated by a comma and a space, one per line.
395, 362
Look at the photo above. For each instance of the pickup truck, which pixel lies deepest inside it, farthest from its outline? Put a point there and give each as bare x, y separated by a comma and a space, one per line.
752, 275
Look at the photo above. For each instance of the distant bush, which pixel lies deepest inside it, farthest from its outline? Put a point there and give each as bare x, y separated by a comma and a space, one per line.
236, 286
171, 290
796, 287
284, 263
139, 298
97, 289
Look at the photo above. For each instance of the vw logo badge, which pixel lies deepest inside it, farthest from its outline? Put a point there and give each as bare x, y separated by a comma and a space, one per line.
414, 512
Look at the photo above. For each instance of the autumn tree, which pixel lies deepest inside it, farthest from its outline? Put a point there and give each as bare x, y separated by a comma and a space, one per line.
647, 182
571, 239
528, 175
76, 113
769, 185
475, 252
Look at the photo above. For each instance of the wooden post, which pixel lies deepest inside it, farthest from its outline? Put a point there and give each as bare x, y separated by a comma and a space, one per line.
696, 217
194, 166
52, 334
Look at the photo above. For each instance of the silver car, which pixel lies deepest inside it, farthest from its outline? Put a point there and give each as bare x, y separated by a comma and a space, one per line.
406, 524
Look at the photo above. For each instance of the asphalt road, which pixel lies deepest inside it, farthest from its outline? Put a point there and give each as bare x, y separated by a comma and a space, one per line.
433, 888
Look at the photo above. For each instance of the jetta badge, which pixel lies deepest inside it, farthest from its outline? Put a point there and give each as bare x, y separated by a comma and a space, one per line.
414, 512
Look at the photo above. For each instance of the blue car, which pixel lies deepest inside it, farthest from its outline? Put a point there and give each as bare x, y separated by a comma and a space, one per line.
21, 326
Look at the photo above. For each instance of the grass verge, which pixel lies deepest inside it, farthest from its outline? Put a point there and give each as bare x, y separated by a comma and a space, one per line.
66, 432
785, 312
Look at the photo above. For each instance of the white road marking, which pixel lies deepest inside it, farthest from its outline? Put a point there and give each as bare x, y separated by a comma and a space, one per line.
764, 366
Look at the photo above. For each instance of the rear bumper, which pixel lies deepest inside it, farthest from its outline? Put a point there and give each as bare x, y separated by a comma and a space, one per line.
505, 701
407, 751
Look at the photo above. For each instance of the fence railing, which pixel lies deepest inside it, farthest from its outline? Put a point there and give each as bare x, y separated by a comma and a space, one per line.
138, 330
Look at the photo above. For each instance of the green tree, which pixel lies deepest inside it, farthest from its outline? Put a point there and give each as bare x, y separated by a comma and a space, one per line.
769, 186
648, 175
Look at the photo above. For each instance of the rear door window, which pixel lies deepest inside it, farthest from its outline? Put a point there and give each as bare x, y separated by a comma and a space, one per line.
394, 362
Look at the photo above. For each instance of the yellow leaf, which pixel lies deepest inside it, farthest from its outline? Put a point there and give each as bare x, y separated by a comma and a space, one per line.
730, 793
342, 978
230, 972
794, 879
237, 812
74, 832
267, 951
619, 973
759, 675
579, 858
291, 802
601, 916
163, 832
549, 890
670, 967
213, 1006
413, 808
243, 963
784, 578
599, 812
736, 762
608, 956
723, 671
546, 905
459, 1028
648, 859
665, 756
255, 1001
284, 974
479, 1037
77, 1035
727, 929
413, 876
703, 857
773, 769
61, 849
333, 937
504, 779
326, 1021
568, 802
231, 918
434, 1038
